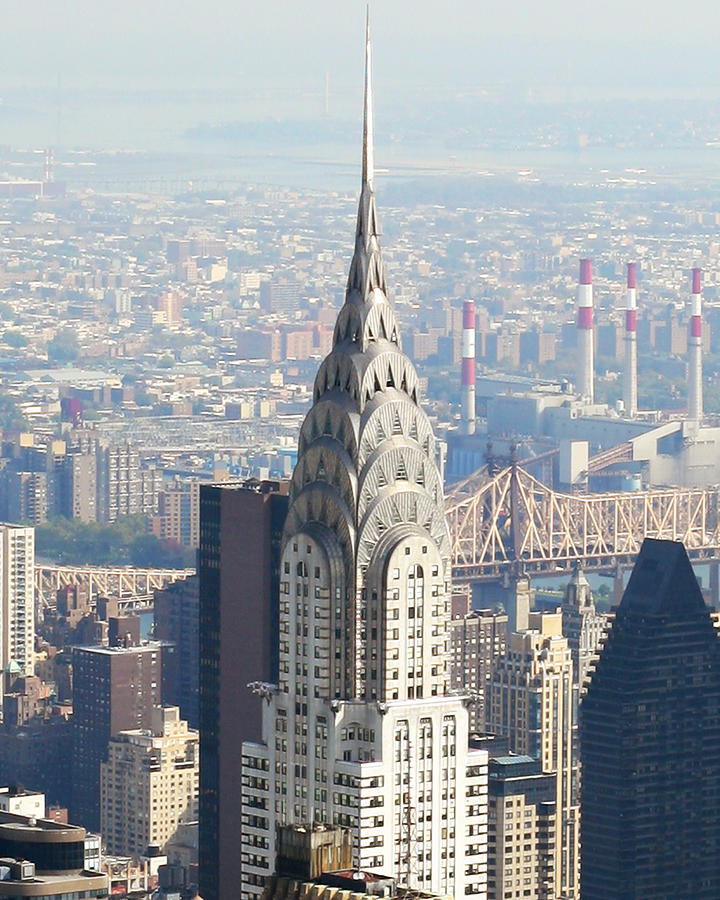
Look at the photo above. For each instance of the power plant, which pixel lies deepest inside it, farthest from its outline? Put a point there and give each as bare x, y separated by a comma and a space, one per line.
584, 444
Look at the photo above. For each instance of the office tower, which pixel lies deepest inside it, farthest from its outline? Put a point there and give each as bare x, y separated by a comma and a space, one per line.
46, 859
650, 741
359, 730
17, 584
582, 625
114, 689
695, 351
585, 348
476, 640
149, 784
531, 702
176, 617
630, 377
521, 829
238, 572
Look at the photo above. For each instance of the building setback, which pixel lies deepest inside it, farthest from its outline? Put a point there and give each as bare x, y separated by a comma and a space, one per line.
239, 583
149, 784
650, 741
114, 689
531, 702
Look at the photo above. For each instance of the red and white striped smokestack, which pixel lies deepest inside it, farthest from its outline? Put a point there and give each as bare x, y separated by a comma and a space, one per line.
468, 368
585, 385
695, 392
630, 383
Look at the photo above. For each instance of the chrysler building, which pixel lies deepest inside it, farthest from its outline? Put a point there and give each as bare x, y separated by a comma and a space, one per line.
361, 731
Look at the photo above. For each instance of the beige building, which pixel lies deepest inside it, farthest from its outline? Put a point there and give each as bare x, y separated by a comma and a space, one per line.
476, 640
532, 703
583, 626
178, 517
521, 830
149, 784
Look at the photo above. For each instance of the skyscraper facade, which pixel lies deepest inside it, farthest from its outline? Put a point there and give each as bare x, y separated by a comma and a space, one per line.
650, 741
582, 625
149, 784
239, 588
360, 730
522, 840
477, 639
114, 688
531, 702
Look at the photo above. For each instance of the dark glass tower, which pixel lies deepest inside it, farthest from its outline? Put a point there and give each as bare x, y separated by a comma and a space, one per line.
650, 742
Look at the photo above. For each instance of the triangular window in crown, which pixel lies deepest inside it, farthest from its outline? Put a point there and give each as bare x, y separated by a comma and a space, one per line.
383, 330
381, 478
395, 513
413, 428
394, 336
403, 384
390, 378
401, 470
380, 431
377, 384
321, 473
397, 424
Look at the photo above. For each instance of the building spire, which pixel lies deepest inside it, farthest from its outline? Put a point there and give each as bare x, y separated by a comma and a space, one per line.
368, 162
366, 269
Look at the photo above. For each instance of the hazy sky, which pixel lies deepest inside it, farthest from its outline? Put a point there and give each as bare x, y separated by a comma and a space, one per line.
160, 43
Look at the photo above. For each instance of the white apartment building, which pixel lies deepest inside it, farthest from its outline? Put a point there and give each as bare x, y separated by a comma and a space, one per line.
361, 730
17, 584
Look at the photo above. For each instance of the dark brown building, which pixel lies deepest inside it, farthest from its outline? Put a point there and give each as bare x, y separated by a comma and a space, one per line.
238, 569
176, 618
114, 688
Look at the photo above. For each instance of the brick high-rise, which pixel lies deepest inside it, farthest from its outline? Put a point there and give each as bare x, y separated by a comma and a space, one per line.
239, 582
114, 689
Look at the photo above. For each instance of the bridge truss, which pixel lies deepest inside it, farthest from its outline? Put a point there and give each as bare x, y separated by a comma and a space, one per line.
514, 523
126, 583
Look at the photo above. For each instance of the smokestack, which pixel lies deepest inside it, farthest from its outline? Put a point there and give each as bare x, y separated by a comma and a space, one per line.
49, 161
695, 398
630, 383
468, 368
585, 384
